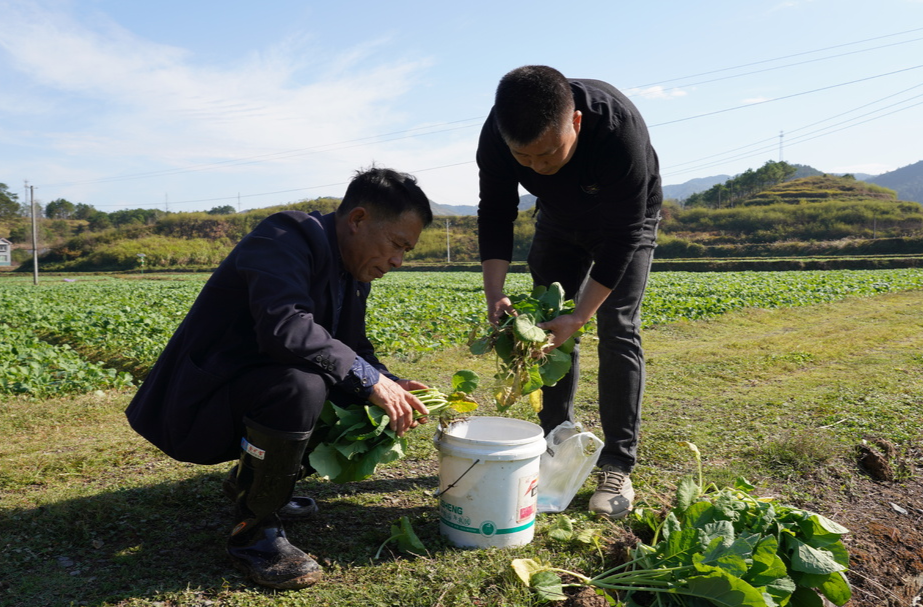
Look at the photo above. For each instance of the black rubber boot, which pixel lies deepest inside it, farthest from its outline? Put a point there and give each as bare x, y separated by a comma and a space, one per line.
299, 508
270, 463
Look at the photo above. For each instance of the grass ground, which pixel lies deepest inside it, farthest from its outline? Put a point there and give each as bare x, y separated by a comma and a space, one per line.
90, 514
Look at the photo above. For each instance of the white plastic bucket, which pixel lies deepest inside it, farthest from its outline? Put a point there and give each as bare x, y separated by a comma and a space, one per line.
488, 481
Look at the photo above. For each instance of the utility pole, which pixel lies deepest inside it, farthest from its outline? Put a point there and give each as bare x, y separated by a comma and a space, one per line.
448, 250
780, 146
166, 203
34, 236
238, 202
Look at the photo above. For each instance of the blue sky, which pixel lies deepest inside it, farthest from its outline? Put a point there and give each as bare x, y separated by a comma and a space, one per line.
196, 104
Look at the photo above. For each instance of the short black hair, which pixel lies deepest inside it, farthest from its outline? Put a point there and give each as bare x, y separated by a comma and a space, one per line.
389, 193
531, 100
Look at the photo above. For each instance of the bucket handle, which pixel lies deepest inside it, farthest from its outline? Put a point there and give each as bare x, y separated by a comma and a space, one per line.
455, 482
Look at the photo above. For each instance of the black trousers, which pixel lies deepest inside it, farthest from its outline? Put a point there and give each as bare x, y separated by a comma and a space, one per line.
566, 256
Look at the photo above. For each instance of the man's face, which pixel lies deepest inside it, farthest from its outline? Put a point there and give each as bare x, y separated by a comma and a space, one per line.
547, 154
371, 248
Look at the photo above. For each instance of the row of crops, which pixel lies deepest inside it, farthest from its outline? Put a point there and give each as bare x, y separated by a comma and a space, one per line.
91, 333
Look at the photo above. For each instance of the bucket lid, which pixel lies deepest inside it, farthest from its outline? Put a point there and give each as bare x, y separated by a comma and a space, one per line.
491, 439
500, 430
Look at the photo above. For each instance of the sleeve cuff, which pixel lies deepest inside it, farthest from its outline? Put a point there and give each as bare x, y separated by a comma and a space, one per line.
360, 379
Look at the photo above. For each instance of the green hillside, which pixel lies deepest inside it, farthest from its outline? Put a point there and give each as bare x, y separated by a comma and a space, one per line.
755, 215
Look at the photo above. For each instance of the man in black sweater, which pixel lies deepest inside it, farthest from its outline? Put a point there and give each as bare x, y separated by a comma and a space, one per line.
582, 148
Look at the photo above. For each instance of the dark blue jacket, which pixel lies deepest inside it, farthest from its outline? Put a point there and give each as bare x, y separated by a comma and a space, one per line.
272, 301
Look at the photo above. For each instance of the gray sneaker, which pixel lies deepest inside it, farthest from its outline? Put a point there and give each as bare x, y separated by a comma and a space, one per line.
614, 493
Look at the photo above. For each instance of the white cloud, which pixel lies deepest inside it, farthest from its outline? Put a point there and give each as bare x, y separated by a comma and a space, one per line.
656, 92
140, 97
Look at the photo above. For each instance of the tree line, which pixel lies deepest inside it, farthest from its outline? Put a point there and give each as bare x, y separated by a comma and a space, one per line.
809, 210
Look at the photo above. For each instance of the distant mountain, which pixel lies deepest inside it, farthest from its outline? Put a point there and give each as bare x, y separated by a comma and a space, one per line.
906, 181
452, 210
683, 191
457, 210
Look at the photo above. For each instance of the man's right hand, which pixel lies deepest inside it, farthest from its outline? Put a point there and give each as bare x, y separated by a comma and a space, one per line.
397, 403
498, 308
498, 304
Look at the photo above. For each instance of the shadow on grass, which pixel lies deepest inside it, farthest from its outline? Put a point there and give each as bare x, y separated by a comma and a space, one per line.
150, 541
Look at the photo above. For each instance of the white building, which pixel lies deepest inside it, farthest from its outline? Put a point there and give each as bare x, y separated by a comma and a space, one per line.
6, 252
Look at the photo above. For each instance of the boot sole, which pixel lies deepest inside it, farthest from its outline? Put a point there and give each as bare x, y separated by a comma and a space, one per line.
298, 583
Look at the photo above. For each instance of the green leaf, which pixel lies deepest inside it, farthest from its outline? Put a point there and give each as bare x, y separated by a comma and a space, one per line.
465, 381
562, 529
805, 597
547, 585
827, 525
686, 493
349, 448
553, 299
555, 366
729, 556
531, 380
407, 540
504, 347
379, 420
721, 588
524, 328
808, 559
699, 514
836, 588
481, 346
767, 566
325, 461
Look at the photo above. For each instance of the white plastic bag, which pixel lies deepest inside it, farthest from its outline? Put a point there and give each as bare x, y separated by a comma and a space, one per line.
565, 465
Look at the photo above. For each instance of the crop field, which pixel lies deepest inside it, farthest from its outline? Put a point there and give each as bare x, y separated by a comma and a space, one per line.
776, 378
94, 333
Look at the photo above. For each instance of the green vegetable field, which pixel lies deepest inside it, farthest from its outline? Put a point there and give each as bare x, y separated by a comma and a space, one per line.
779, 381
93, 333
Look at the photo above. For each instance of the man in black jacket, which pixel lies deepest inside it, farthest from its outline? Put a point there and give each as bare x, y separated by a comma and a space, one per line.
583, 149
277, 330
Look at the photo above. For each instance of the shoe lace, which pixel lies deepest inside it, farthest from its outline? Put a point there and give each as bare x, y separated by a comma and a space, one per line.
612, 480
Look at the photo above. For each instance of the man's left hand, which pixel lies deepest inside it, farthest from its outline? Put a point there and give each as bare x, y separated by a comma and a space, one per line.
561, 328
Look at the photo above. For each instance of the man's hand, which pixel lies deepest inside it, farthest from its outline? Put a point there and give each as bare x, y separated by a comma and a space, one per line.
498, 308
398, 403
409, 384
562, 328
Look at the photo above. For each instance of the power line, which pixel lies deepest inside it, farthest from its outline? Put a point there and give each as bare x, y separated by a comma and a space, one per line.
755, 103
729, 154
828, 48
807, 136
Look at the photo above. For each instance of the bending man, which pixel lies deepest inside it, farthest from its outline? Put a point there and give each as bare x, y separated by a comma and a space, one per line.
583, 149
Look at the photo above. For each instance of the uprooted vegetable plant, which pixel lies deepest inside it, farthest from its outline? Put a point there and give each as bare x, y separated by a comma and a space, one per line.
350, 442
718, 547
524, 361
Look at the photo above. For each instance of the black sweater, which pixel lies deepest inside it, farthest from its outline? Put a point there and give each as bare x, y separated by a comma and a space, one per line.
612, 182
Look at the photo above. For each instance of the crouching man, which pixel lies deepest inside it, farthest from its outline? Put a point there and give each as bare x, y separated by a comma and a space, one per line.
277, 329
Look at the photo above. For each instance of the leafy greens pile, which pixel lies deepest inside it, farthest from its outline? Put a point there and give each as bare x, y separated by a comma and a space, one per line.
524, 364
720, 547
350, 442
